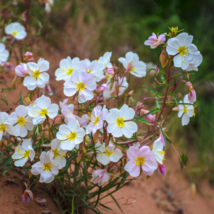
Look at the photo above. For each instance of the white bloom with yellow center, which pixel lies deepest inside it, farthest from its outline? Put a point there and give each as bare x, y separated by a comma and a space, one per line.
16, 30
58, 153
5, 126
46, 167
158, 150
105, 59
186, 111
43, 108
133, 65
82, 83
66, 68
4, 54
21, 121
37, 77
23, 152
107, 154
70, 135
119, 123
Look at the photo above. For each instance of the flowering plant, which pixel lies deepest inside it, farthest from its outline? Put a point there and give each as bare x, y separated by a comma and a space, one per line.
93, 143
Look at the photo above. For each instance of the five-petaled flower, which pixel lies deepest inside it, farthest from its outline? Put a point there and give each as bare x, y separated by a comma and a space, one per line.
16, 30
158, 150
155, 41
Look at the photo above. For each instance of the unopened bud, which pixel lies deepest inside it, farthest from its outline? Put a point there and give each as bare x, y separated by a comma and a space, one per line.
156, 70
130, 93
110, 70
25, 198
192, 93
29, 57
161, 170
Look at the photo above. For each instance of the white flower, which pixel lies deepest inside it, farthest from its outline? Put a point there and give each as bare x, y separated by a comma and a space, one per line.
23, 152
5, 126
94, 67
186, 110
58, 153
21, 121
119, 124
158, 150
98, 116
70, 134
107, 154
46, 167
43, 108
131, 63
195, 61
121, 85
105, 59
38, 77
17, 30
100, 176
185, 51
48, 5
4, 54
82, 83
67, 66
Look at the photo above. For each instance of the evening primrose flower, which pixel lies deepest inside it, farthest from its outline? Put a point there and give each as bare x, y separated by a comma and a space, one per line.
121, 85
70, 135
41, 109
98, 116
140, 158
58, 153
158, 150
67, 111
23, 153
195, 61
105, 59
46, 167
155, 41
37, 77
21, 70
119, 123
107, 154
100, 176
21, 121
5, 126
82, 83
94, 67
186, 111
131, 63
66, 68
16, 30
4, 54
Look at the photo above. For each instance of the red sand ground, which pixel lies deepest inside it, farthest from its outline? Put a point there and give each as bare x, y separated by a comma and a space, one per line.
169, 194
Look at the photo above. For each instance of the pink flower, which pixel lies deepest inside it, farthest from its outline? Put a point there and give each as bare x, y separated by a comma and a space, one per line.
47, 89
100, 176
161, 170
192, 93
142, 157
25, 198
150, 117
83, 120
155, 41
29, 57
21, 70
156, 70
67, 111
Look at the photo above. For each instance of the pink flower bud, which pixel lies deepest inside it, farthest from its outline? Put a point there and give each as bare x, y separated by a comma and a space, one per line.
29, 57
150, 118
100, 176
8, 66
47, 89
161, 170
21, 70
110, 71
192, 93
101, 88
25, 198
156, 70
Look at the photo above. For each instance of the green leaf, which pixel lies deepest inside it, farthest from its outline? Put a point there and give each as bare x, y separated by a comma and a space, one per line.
116, 203
6, 170
7, 161
141, 119
184, 159
20, 99
154, 92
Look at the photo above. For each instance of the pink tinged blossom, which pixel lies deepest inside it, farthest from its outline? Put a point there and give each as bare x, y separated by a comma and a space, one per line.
192, 93
47, 89
155, 41
101, 88
67, 111
21, 70
150, 117
162, 138
25, 198
29, 57
110, 70
83, 120
100, 176
161, 170
98, 116
156, 70
8, 66
140, 158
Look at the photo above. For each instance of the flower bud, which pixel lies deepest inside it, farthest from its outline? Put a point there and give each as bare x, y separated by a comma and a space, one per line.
110, 70
156, 70
21, 70
101, 88
25, 198
192, 93
161, 170
130, 93
150, 117
29, 57
47, 89
8, 66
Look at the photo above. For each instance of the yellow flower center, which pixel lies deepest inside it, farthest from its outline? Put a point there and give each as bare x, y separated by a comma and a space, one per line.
56, 153
69, 71
185, 109
89, 71
80, 86
2, 127
21, 121
120, 122
139, 160
108, 153
47, 166
71, 136
14, 33
27, 154
43, 112
132, 69
36, 74
96, 121
182, 50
